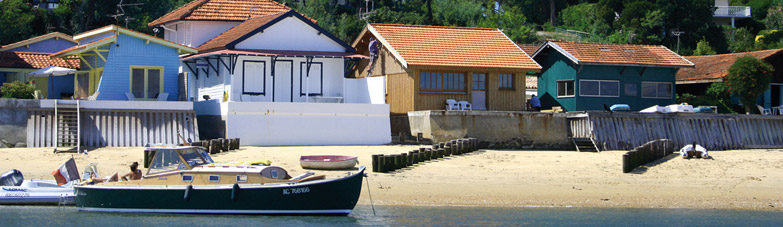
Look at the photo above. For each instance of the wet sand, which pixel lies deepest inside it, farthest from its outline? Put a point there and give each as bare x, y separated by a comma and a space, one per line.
738, 179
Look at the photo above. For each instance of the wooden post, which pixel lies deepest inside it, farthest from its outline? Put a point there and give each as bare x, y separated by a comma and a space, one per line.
214, 146
397, 161
419, 138
238, 144
410, 158
224, 142
375, 162
441, 152
416, 157
441, 145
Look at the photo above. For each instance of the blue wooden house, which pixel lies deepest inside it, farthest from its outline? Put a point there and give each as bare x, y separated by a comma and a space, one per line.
20, 58
121, 64
587, 76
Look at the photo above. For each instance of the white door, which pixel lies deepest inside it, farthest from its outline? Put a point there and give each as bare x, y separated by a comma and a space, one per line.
479, 91
283, 81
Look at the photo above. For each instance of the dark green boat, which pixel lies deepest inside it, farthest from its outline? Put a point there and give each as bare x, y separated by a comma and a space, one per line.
181, 180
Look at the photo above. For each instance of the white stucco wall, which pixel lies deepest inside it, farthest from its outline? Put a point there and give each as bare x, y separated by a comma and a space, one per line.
291, 34
366, 90
283, 124
195, 33
332, 78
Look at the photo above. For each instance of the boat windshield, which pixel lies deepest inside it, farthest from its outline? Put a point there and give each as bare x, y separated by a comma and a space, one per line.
166, 160
194, 157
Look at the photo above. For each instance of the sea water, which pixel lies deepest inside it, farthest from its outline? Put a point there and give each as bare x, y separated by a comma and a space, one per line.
404, 216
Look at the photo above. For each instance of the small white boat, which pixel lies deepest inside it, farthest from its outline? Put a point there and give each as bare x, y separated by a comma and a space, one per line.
33, 192
332, 162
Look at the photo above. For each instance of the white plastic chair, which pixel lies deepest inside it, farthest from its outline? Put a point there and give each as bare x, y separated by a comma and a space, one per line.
130, 96
452, 104
465, 105
764, 111
163, 96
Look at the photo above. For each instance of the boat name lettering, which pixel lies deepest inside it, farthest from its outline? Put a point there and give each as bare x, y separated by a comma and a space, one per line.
17, 194
14, 189
289, 191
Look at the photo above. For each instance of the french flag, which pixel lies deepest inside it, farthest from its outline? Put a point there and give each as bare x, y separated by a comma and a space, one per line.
66, 173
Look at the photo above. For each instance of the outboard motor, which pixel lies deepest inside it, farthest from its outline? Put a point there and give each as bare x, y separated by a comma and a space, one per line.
11, 178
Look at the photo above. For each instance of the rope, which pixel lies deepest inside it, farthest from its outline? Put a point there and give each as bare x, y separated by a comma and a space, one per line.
370, 193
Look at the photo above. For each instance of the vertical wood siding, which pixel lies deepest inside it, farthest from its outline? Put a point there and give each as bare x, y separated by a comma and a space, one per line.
116, 128
399, 93
503, 100
624, 131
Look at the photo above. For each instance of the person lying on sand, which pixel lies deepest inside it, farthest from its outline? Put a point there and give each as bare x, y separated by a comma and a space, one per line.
694, 151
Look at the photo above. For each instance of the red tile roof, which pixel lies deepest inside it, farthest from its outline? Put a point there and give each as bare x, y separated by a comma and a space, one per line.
31, 60
222, 10
622, 54
220, 41
531, 82
454, 46
529, 48
712, 68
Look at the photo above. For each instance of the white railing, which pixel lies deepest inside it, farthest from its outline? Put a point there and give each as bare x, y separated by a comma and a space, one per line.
732, 11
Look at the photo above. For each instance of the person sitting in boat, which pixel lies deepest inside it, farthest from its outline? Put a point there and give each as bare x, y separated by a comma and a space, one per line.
95, 179
135, 173
693, 150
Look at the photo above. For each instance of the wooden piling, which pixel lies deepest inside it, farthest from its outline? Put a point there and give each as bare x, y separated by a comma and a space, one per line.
215, 146
404, 160
376, 162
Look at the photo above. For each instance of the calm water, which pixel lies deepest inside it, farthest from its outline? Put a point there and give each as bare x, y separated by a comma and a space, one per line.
405, 216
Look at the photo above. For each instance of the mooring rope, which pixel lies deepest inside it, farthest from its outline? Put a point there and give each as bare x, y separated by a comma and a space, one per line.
370, 193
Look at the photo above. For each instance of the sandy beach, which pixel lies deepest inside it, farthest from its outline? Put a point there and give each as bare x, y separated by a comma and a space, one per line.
738, 179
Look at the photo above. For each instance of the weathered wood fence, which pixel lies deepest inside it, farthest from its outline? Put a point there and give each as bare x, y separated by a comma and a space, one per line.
624, 131
647, 153
116, 128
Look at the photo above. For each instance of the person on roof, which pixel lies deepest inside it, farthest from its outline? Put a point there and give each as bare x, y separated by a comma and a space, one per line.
693, 150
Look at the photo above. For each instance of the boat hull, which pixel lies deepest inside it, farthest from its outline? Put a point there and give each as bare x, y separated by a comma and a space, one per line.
37, 192
328, 162
327, 197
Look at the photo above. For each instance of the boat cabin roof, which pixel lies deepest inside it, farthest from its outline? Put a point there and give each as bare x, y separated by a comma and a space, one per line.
173, 158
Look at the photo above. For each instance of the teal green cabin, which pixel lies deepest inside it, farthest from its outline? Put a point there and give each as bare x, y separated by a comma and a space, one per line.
587, 76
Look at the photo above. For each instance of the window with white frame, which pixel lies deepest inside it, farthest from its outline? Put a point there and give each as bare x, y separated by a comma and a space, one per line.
313, 84
565, 88
506, 81
253, 77
599, 88
657, 90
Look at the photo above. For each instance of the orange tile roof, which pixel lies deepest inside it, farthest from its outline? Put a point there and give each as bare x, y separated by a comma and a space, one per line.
454, 46
32, 60
623, 54
531, 82
220, 41
529, 48
222, 10
712, 68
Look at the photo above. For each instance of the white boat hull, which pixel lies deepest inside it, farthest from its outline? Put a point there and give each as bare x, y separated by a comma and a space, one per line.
344, 164
37, 192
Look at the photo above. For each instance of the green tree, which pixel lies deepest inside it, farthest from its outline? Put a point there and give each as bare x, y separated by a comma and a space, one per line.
511, 21
703, 48
748, 78
739, 39
719, 93
463, 13
588, 17
15, 21
774, 18
17, 90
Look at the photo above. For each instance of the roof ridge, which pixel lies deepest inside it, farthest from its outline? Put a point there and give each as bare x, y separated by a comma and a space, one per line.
610, 44
433, 26
44, 36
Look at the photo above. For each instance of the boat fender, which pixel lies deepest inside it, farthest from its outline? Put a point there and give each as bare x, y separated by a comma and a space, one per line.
188, 192
235, 192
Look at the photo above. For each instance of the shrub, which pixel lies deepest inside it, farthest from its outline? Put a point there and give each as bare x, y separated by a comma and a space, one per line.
17, 90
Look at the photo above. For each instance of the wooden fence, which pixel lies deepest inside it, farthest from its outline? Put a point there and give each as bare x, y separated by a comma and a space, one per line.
116, 128
624, 131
